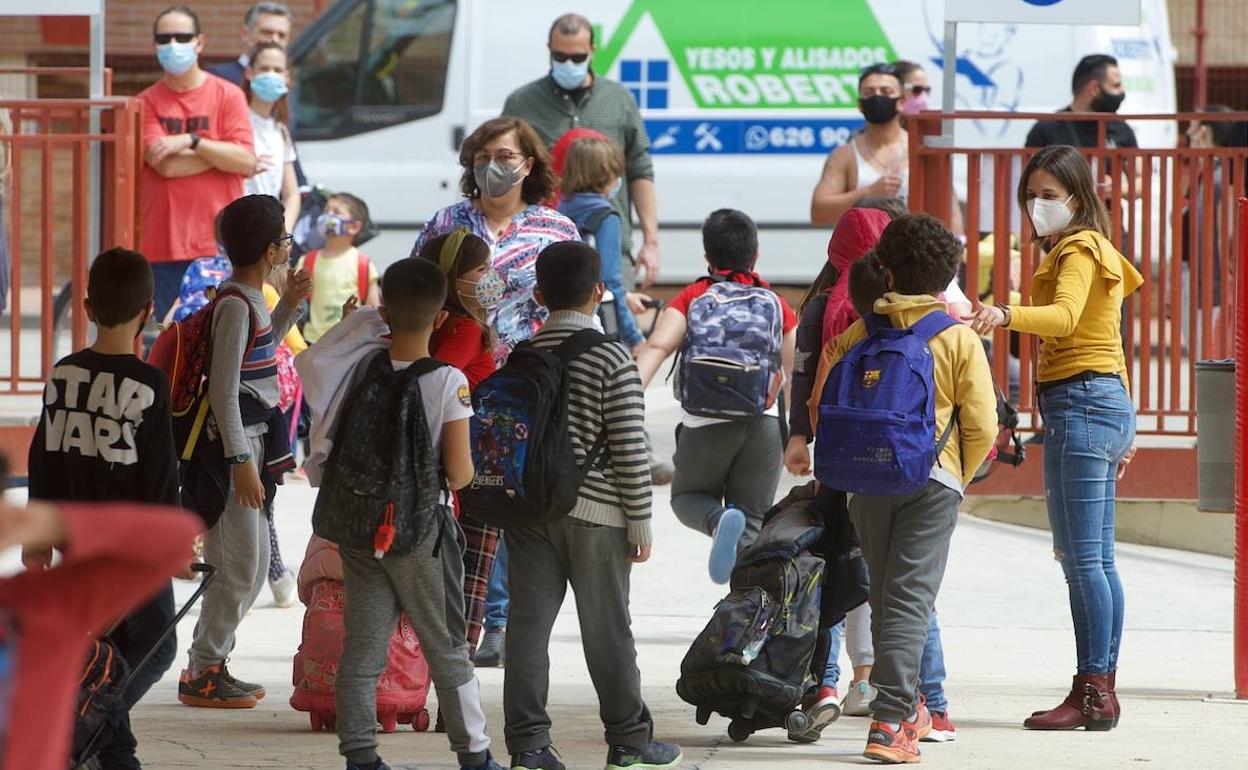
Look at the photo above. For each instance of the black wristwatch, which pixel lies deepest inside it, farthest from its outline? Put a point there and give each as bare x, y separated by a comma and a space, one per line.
238, 459
194, 141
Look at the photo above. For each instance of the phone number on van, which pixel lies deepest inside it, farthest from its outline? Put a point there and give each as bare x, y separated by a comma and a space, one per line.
746, 136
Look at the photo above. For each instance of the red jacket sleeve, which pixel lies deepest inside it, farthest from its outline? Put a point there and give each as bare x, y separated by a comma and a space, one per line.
116, 555
460, 345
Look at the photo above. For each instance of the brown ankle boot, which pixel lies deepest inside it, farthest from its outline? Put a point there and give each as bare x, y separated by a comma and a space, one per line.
1086, 706
1115, 708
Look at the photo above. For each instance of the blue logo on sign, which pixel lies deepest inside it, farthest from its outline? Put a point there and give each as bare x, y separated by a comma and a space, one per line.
647, 80
748, 136
1042, 3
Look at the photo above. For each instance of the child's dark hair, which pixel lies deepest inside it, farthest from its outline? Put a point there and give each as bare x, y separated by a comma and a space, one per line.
730, 240
413, 292
249, 226
893, 206
473, 253
867, 283
119, 286
920, 252
358, 209
567, 273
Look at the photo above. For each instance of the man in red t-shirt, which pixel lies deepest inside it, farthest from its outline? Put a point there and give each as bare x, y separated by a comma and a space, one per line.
198, 148
727, 469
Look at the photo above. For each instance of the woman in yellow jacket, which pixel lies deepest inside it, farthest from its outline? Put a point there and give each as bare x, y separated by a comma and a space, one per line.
1089, 418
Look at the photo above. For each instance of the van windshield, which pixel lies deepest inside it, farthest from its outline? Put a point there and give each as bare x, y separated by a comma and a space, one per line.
368, 64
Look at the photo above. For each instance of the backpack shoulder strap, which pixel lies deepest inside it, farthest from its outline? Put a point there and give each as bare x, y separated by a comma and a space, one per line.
425, 366
932, 324
876, 322
362, 267
579, 343
309, 261
595, 220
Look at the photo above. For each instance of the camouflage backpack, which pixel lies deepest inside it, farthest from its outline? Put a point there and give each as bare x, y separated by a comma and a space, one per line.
729, 365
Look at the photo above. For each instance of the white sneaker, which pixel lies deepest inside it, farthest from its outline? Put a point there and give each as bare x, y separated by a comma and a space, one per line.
857, 702
285, 589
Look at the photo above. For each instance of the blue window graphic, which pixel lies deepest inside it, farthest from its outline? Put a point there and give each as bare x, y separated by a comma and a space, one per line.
647, 80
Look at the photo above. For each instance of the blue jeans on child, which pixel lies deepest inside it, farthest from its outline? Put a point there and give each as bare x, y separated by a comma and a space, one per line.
496, 595
1089, 427
931, 672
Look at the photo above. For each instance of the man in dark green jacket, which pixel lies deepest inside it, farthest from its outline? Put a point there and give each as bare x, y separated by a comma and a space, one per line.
572, 96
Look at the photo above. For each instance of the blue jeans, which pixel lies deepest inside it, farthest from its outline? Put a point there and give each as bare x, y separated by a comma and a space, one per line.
931, 672
496, 594
1089, 427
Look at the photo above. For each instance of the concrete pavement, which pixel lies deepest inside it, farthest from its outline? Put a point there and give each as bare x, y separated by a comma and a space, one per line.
1007, 640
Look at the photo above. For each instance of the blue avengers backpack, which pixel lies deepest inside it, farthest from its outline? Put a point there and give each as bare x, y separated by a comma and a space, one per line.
729, 364
877, 414
527, 469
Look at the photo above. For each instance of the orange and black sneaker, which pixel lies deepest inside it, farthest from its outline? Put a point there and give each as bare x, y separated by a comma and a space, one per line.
211, 689
921, 720
892, 746
254, 690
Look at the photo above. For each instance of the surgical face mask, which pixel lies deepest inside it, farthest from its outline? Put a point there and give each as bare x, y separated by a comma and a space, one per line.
332, 224
615, 188
1106, 102
568, 74
495, 180
915, 104
1049, 216
489, 290
879, 108
269, 86
176, 58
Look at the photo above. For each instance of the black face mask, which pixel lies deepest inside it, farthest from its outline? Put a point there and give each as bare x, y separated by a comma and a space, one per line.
1106, 102
879, 108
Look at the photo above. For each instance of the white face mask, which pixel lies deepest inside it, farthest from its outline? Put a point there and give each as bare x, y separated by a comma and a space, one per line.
1049, 216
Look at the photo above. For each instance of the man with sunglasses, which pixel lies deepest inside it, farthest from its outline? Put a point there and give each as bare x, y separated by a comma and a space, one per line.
198, 148
571, 96
874, 163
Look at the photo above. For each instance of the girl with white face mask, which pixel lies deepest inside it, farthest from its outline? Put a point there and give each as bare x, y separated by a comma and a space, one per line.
1089, 418
267, 83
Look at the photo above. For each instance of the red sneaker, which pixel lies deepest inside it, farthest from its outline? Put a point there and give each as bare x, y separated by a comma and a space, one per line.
892, 747
943, 730
823, 708
921, 721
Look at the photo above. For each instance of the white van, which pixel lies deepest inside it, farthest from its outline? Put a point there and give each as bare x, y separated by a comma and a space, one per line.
742, 99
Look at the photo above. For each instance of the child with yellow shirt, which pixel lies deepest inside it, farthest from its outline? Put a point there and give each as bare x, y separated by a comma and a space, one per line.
905, 537
1089, 417
339, 270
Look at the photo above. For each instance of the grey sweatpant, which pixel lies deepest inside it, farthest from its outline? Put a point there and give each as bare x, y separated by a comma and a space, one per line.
430, 591
905, 540
735, 463
542, 562
238, 546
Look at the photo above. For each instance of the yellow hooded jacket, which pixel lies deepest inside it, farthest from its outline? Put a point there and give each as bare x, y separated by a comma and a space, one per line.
961, 374
1077, 297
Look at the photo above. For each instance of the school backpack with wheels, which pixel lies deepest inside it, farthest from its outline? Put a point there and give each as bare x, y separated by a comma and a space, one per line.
183, 351
877, 414
402, 689
382, 487
729, 364
752, 662
527, 470
1008, 448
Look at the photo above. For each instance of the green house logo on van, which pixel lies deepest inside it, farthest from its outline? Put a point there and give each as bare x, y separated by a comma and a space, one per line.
746, 54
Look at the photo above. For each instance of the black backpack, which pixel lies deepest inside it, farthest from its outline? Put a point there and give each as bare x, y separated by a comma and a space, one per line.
382, 486
527, 469
752, 662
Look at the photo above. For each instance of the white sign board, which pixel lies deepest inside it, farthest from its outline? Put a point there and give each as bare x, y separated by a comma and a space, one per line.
51, 8
1115, 12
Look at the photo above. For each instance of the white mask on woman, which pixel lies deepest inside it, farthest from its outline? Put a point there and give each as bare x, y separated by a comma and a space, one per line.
1049, 216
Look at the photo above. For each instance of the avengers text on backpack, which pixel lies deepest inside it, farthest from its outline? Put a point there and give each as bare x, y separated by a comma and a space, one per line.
729, 363
877, 414
382, 487
752, 662
527, 470
1008, 448
183, 351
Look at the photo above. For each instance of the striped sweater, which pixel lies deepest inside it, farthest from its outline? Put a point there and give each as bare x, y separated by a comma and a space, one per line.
606, 390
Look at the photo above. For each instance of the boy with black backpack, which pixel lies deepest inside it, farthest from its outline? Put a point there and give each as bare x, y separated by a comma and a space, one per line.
906, 476
590, 541
736, 338
400, 444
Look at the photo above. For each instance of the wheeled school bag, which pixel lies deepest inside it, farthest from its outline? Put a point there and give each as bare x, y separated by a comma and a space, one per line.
402, 690
877, 414
729, 364
527, 470
106, 676
752, 662
382, 486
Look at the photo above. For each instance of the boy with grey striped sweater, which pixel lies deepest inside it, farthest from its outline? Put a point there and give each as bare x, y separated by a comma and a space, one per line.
593, 548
